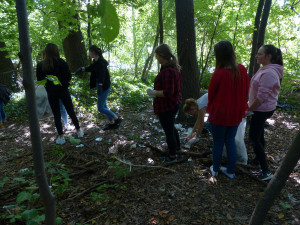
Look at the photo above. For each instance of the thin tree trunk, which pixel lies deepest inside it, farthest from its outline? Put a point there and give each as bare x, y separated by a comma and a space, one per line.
236, 25
277, 183
255, 36
262, 28
161, 24
38, 157
186, 49
149, 60
212, 39
134, 42
89, 30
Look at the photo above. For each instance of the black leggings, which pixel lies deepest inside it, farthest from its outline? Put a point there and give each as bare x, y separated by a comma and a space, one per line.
64, 95
256, 136
167, 121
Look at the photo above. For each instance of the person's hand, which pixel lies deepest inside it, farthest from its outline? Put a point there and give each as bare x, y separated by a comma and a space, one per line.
151, 92
79, 70
193, 140
249, 113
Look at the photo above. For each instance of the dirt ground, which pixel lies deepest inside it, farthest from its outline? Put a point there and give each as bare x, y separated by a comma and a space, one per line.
116, 177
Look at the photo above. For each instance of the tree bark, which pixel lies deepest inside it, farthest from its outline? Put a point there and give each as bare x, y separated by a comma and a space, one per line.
262, 28
236, 26
135, 58
149, 60
255, 36
7, 69
277, 183
186, 49
38, 157
161, 24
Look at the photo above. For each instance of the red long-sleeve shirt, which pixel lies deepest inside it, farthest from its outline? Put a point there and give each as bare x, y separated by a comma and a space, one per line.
169, 81
227, 97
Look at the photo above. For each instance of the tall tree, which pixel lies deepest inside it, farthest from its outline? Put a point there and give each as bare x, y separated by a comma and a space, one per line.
38, 157
262, 28
161, 24
7, 70
186, 48
277, 183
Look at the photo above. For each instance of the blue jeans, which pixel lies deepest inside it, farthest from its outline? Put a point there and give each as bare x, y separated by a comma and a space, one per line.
63, 112
101, 104
2, 112
224, 135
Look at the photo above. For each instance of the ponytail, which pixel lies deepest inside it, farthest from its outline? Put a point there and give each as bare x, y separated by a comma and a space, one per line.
275, 53
165, 52
96, 49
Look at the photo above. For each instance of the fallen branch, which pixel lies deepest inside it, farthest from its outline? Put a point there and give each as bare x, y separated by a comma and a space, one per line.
146, 166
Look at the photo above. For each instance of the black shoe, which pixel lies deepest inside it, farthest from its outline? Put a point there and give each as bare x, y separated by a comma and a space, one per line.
266, 175
109, 126
118, 122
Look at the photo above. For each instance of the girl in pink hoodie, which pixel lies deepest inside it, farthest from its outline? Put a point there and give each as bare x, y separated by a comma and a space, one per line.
263, 96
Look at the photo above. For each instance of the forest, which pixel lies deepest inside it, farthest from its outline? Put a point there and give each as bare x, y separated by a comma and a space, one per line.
115, 176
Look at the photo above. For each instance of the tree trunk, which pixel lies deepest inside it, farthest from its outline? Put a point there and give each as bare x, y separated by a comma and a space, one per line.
262, 28
255, 36
38, 157
161, 24
186, 49
211, 41
277, 183
7, 70
135, 60
149, 60
74, 50
236, 25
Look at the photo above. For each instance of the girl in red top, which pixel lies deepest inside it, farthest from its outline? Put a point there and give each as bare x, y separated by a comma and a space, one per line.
227, 104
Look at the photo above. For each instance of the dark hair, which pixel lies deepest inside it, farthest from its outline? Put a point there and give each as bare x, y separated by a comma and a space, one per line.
50, 52
225, 57
188, 104
165, 52
275, 53
96, 49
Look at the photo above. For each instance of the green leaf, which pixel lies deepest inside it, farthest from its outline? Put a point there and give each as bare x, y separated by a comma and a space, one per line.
285, 205
54, 79
59, 220
23, 196
74, 141
19, 179
42, 82
29, 214
110, 23
3, 182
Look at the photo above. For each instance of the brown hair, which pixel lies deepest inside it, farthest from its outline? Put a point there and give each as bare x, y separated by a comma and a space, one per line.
188, 104
50, 52
97, 50
225, 57
275, 52
165, 52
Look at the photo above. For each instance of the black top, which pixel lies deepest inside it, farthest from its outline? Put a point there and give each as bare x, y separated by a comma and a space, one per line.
4, 94
61, 70
99, 74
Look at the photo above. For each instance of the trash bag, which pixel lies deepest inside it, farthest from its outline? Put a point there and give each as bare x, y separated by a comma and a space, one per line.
43, 107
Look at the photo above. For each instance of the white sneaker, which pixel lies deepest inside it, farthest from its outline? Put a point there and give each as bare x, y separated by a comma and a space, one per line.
213, 173
224, 170
68, 127
80, 134
60, 141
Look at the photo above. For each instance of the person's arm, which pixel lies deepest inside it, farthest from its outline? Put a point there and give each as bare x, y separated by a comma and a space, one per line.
39, 73
255, 104
65, 70
199, 123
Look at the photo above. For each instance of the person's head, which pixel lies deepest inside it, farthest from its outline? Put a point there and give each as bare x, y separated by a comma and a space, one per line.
225, 57
190, 106
164, 56
269, 54
95, 51
50, 52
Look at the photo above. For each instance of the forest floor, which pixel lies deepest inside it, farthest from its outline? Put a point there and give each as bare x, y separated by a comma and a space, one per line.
117, 178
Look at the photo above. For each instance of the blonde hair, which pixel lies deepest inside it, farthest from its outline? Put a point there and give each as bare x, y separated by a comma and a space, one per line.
188, 104
165, 52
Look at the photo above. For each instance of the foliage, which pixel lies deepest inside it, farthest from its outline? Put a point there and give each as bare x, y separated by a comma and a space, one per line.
59, 180
120, 170
101, 194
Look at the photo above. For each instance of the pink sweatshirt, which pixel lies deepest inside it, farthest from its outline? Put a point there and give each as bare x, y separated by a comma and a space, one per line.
265, 86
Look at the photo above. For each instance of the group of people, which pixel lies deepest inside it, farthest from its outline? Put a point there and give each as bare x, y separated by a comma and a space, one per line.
229, 99
59, 96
